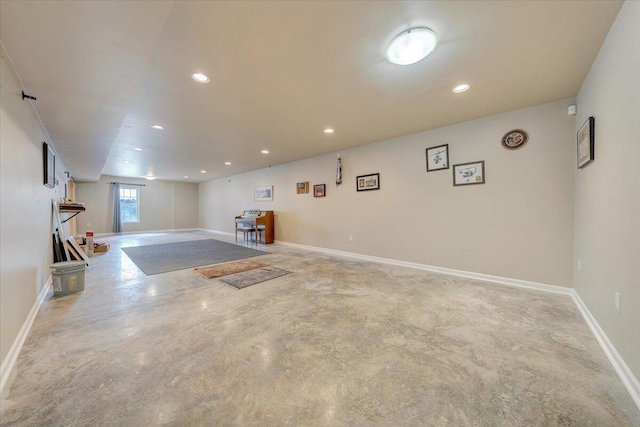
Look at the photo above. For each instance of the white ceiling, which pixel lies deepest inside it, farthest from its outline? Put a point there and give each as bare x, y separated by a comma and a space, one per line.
280, 73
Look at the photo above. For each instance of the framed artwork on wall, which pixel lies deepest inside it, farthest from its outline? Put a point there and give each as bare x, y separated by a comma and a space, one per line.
302, 187
263, 194
368, 182
438, 158
319, 190
586, 143
468, 173
49, 165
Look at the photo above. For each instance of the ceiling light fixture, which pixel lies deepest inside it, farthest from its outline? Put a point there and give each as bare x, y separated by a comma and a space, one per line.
203, 171
227, 163
461, 88
126, 162
150, 177
328, 130
265, 151
157, 127
412, 45
200, 78
137, 149
186, 176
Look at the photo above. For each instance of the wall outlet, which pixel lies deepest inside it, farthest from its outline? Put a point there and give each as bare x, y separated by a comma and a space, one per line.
89, 225
579, 267
351, 237
618, 302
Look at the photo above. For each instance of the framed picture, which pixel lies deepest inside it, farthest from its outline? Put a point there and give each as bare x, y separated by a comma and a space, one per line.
468, 173
368, 182
586, 143
438, 158
263, 194
302, 187
49, 165
319, 190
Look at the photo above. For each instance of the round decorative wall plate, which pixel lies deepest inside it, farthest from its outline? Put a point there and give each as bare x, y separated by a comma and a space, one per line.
515, 139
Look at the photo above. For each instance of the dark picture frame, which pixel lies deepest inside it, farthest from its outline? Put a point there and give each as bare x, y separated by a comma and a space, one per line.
368, 182
437, 158
319, 190
586, 142
470, 173
48, 165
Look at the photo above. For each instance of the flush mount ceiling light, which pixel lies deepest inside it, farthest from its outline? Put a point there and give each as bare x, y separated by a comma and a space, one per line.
411, 45
265, 151
461, 88
203, 171
186, 176
157, 127
150, 177
328, 130
200, 78
227, 163
137, 149
126, 162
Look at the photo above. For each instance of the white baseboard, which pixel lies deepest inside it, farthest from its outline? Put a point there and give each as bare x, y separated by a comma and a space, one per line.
226, 233
176, 230
14, 351
478, 276
628, 379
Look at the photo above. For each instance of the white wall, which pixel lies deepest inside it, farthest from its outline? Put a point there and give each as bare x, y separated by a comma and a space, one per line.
25, 206
607, 194
164, 205
517, 225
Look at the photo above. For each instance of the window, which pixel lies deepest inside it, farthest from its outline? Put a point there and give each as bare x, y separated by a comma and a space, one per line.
129, 204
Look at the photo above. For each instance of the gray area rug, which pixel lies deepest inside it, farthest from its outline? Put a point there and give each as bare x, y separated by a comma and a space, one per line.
155, 259
251, 277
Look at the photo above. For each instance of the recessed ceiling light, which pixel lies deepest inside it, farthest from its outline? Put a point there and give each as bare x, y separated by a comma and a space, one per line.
126, 162
186, 176
203, 171
411, 45
227, 163
328, 130
150, 177
137, 149
265, 151
200, 78
461, 88
157, 127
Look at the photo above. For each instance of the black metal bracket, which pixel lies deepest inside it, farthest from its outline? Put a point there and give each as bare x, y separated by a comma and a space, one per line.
72, 216
24, 95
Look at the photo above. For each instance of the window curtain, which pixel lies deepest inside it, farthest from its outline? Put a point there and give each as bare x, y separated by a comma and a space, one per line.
117, 220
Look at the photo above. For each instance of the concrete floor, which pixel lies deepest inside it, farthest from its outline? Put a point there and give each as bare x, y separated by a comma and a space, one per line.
338, 342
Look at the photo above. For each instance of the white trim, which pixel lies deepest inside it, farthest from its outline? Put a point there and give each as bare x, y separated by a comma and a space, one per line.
471, 275
226, 233
628, 379
14, 351
171, 230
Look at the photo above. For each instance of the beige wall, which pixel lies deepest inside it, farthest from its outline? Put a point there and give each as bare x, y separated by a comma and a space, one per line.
26, 212
607, 194
164, 205
518, 225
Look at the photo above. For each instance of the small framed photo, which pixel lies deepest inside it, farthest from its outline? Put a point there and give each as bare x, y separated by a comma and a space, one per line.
438, 158
368, 182
302, 187
468, 173
586, 143
319, 190
263, 194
